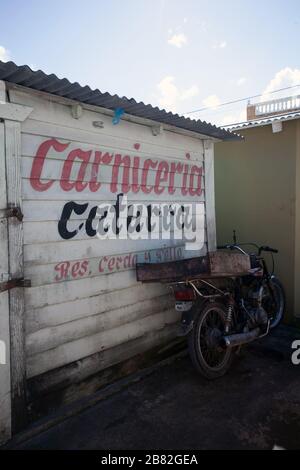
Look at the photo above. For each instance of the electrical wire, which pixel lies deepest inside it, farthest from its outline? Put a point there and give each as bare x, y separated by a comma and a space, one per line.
239, 100
260, 119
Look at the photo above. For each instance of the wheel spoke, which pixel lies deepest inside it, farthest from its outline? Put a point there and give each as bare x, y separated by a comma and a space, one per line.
211, 329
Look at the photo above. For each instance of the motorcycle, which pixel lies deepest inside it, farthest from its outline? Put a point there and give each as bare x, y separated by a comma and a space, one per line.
220, 316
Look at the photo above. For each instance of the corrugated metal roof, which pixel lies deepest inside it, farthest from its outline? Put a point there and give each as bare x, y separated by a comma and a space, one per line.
266, 121
38, 80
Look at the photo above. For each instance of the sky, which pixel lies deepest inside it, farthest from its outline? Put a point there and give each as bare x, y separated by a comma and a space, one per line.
175, 54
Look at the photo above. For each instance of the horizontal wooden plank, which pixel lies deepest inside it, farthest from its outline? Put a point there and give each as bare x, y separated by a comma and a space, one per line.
164, 178
34, 209
143, 359
39, 131
52, 337
164, 145
44, 253
13, 112
105, 143
68, 270
80, 288
61, 313
84, 347
105, 194
80, 370
52, 165
60, 114
47, 231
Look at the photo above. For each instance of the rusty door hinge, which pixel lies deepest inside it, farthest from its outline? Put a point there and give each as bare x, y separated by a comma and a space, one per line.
17, 282
14, 211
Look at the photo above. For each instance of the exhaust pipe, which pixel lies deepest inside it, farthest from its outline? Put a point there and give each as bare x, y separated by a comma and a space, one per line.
232, 341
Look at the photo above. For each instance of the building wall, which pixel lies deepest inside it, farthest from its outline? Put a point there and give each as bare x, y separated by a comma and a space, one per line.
297, 227
85, 311
255, 195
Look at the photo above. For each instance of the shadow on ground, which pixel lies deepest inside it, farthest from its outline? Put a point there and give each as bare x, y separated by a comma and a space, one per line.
255, 406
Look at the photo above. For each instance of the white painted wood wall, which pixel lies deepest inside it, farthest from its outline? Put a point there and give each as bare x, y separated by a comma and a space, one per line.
70, 319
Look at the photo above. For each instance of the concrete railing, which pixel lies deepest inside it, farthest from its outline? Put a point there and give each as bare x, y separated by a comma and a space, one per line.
269, 108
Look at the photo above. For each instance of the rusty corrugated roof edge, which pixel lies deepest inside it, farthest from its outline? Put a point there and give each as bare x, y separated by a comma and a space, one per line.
38, 80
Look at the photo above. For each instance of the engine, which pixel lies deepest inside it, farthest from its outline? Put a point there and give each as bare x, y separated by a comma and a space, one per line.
257, 315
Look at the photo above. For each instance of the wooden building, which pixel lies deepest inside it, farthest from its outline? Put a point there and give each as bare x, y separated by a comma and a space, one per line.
71, 308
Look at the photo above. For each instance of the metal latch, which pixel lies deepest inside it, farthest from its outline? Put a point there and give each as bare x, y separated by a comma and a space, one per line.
17, 282
14, 211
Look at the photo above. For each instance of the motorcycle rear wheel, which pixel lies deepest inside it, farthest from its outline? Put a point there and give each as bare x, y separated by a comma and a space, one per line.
209, 358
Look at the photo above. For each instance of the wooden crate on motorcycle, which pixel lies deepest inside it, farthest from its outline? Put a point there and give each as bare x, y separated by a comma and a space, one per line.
215, 264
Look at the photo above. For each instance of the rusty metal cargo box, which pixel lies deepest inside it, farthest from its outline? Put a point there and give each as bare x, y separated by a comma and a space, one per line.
214, 264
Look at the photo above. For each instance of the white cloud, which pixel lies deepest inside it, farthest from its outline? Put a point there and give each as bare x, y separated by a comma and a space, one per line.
241, 81
233, 118
220, 45
189, 93
185, 20
202, 26
178, 40
212, 101
284, 78
221, 117
171, 96
4, 54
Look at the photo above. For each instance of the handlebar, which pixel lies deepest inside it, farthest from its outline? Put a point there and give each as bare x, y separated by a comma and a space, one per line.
267, 248
237, 247
231, 247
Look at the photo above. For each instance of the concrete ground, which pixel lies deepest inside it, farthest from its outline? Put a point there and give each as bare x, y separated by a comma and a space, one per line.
256, 406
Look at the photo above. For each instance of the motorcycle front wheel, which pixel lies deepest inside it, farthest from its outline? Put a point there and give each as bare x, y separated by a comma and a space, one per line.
204, 341
274, 305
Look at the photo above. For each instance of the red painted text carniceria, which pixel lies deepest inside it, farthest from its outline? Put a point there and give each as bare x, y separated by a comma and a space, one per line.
128, 173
